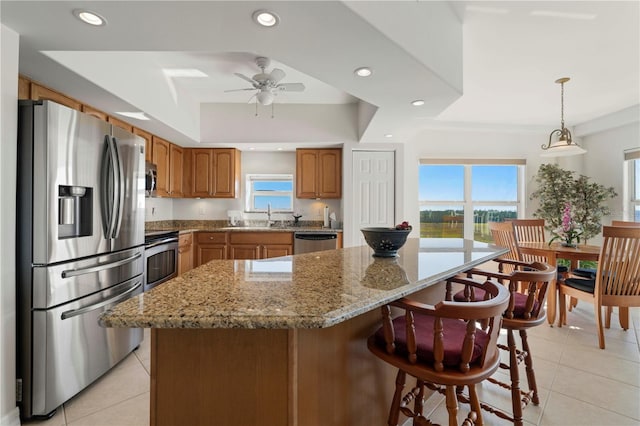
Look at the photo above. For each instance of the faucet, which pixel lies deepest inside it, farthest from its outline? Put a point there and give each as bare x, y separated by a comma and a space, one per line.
269, 221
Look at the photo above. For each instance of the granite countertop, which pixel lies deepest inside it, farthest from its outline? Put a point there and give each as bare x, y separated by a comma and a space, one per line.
311, 290
186, 226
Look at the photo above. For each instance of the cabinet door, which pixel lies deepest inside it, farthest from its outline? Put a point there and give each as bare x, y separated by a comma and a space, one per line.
40, 92
201, 172
148, 144
210, 246
185, 253
306, 173
161, 160
226, 172
329, 173
119, 123
176, 157
95, 112
276, 250
244, 251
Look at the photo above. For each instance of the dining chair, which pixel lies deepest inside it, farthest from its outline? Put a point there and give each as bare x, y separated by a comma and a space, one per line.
503, 235
617, 279
625, 223
527, 285
445, 346
532, 230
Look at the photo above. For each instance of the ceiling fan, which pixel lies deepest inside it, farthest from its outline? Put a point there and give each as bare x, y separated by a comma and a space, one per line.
267, 84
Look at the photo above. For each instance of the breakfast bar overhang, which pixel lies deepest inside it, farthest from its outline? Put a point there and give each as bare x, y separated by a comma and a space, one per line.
282, 341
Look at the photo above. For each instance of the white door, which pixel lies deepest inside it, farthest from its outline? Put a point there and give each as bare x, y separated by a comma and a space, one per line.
373, 191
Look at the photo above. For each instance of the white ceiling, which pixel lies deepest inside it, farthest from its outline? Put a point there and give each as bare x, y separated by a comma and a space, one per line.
476, 64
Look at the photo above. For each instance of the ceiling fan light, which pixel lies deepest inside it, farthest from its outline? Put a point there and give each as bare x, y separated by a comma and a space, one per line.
265, 97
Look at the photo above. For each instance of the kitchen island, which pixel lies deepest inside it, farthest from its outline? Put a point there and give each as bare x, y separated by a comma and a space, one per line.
282, 341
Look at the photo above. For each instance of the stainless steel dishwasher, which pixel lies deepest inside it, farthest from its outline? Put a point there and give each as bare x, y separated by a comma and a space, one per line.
310, 241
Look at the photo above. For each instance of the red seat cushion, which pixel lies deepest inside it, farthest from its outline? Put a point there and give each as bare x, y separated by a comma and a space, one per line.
520, 301
454, 332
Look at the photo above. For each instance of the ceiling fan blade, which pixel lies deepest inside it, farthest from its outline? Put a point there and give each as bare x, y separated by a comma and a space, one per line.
276, 75
290, 87
251, 98
239, 90
244, 77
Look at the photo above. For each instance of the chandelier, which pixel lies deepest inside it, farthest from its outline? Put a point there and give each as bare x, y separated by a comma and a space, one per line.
563, 144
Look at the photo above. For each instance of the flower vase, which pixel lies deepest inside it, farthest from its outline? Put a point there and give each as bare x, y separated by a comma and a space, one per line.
569, 244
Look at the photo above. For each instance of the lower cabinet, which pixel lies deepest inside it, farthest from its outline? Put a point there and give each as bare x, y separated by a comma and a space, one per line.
185, 253
210, 246
260, 245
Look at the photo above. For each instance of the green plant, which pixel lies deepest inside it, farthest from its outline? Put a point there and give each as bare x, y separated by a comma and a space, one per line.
558, 187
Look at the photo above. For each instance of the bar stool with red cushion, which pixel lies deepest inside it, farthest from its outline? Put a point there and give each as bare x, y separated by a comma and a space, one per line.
441, 346
527, 285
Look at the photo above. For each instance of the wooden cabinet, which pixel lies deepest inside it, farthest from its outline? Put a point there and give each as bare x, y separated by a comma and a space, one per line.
161, 160
212, 173
148, 143
168, 159
260, 245
119, 123
38, 92
24, 88
319, 173
95, 112
185, 253
210, 246
176, 158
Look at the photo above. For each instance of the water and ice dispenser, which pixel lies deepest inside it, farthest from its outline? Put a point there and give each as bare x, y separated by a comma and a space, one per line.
75, 209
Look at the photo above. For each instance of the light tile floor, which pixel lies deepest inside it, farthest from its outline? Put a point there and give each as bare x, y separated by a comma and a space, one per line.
579, 383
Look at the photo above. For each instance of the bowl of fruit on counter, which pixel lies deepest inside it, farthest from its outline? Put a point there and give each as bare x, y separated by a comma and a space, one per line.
386, 242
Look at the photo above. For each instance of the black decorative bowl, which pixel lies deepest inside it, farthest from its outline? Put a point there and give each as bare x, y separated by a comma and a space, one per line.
385, 242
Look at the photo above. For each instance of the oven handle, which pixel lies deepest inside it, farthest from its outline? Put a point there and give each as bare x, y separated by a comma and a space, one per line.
75, 312
99, 267
160, 242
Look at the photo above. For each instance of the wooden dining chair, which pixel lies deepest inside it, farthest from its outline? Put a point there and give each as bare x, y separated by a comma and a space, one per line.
527, 285
617, 280
625, 223
443, 347
503, 235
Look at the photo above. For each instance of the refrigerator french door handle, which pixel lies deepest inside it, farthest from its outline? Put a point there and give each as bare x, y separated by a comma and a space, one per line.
106, 180
113, 155
122, 296
121, 190
99, 267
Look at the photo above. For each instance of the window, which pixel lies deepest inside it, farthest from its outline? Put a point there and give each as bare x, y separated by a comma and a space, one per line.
268, 189
632, 192
458, 197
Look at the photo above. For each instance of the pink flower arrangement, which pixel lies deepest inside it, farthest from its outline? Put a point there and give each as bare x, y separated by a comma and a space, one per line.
569, 231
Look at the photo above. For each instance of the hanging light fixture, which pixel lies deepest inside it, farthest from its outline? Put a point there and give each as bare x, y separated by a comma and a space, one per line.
563, 145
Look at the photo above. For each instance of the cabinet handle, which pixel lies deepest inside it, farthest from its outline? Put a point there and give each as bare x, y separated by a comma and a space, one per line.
211, 238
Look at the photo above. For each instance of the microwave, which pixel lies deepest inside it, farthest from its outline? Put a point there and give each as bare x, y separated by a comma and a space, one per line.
151, 179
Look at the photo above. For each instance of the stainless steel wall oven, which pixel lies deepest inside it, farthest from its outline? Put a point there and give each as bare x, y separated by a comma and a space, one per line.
160, 257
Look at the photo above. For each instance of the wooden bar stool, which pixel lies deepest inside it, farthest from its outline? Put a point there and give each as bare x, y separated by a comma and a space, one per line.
527, 285
441, 346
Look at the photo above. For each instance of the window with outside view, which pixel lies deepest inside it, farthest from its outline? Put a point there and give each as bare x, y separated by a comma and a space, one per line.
271, 189
455, 196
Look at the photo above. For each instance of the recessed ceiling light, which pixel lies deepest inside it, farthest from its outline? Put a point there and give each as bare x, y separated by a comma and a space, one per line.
183, 72
265, 18
138, 115
89, 17
388, 135
363, 72
279, 149
417, 102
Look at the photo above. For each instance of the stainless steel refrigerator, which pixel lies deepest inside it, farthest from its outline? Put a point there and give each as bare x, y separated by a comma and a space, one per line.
80, 237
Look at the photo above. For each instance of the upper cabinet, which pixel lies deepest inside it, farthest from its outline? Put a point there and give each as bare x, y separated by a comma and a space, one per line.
38, 92
148, 144
95, 112
176, 159
212, 173
319, 173
161, 160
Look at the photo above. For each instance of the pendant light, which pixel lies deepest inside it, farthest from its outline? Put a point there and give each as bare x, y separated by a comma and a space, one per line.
563, 145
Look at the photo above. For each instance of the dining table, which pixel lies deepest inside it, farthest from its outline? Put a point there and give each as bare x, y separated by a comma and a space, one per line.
552, 252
